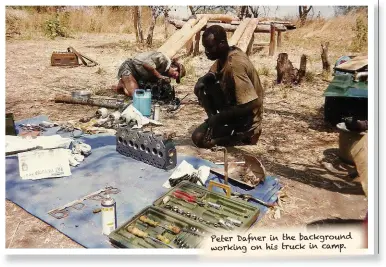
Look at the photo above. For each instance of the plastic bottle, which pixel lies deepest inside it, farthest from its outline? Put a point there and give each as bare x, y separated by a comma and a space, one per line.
142, 101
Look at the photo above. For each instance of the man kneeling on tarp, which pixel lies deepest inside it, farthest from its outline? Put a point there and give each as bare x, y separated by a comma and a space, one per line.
230, 93
149, 66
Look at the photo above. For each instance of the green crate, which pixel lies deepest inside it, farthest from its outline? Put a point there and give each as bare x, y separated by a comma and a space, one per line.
180, 213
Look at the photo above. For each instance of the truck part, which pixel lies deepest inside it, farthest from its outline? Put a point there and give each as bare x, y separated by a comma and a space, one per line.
147, 147
78, 204
161, 92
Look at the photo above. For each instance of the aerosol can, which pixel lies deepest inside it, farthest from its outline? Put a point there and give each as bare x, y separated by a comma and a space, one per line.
157, 111
109, 215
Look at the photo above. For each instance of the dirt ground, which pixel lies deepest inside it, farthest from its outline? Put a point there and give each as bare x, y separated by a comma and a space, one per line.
294, 142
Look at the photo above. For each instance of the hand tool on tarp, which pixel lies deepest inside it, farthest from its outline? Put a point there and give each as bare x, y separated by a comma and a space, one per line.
135, 231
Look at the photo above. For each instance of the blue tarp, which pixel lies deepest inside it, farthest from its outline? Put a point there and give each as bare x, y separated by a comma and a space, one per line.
140, 186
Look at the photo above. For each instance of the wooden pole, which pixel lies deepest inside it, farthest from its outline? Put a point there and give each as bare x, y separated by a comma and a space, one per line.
172, 49
230, 28
247, 37
219, 17
324, 55
302, 68
196, 49
238, 32
272, 41
189, 47
278, 39
177, 35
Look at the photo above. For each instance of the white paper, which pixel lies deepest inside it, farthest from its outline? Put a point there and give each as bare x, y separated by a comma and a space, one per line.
186, 168
15, 144
131, 113
42, 164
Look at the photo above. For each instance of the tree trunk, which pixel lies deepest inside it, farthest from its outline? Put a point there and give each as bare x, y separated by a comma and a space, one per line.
166, 22
286, 73
137, 24
303, 13
197, 38
279, 39
324, 56
149, 39
302, 67
192, 10
243, 12
272, 41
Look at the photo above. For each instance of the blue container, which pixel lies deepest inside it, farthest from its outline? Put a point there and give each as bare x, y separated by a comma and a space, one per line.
142, 101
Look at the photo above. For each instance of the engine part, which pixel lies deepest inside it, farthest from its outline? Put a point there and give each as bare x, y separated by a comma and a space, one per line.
78, 204
159, 91
147, 147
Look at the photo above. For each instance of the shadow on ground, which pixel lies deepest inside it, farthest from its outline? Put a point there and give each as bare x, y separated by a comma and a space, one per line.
314, 175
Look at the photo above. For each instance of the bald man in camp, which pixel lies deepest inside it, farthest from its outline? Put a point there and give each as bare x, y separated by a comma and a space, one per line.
230, 93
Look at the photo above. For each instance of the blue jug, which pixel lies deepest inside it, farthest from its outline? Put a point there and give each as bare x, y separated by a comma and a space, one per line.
142, 101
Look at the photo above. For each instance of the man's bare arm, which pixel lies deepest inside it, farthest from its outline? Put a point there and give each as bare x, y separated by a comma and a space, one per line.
153, 71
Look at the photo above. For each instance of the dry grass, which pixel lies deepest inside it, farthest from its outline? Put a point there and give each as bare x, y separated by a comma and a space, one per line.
28, 23
339, 31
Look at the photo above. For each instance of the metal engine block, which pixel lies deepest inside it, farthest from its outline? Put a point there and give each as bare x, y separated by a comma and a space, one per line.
160, 92
147, 147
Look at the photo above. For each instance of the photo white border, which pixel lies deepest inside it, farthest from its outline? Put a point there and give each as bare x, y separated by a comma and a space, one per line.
372, 163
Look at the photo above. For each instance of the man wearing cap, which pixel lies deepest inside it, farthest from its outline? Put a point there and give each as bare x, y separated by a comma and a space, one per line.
149, 66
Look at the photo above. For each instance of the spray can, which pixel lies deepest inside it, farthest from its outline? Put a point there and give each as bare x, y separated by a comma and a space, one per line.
109, 215
157, 110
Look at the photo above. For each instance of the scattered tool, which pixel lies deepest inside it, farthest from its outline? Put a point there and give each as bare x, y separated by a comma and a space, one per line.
192, 231
176, 103
97, 210
32, 128
214, 205
247, 197
184, 196
172, 228
101, 113
135, 231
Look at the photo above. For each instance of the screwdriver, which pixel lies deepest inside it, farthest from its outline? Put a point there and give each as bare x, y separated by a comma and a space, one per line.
174, 229
135, 231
